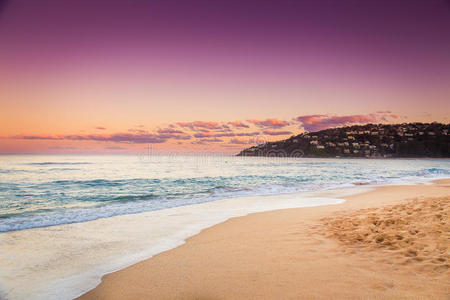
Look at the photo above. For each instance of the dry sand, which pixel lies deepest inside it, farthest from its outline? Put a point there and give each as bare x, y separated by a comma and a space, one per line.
392, 242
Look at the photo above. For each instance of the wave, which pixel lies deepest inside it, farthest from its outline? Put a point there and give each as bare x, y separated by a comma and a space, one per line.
11, 171
47, 201
132, 204
429, 173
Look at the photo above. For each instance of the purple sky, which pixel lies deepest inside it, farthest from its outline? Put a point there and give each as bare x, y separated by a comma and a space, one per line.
397, 31
71, 65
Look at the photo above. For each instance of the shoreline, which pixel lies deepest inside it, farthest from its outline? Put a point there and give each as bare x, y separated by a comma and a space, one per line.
174, 257
88, 257
49, 273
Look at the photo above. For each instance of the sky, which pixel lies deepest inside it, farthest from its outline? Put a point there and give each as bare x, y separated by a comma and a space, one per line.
98, 76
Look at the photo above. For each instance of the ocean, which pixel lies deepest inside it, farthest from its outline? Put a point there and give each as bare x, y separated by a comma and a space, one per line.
66, 220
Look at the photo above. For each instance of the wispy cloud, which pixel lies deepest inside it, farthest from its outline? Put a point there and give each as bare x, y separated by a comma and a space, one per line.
272, 132
100, 128
239, 141
384, 112
117, 137
213, 134
270, 123
200, 125
207, 141
239, 124
140, 131
246, 141
170, 133
323, 121
248, 133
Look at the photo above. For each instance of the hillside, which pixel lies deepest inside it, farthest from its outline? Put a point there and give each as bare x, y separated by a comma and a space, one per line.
371, 140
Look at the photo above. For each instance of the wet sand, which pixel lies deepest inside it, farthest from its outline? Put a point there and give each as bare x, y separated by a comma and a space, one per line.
392, 242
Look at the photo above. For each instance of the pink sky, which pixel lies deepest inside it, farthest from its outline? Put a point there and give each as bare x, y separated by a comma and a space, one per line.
112, 76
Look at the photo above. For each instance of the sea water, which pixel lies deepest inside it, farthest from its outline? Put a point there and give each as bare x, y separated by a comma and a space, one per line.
67, 220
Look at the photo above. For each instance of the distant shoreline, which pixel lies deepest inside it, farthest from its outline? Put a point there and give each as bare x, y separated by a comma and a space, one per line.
407, 140
351, 157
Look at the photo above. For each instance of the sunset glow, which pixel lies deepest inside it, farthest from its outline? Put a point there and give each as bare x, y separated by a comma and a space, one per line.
115, 76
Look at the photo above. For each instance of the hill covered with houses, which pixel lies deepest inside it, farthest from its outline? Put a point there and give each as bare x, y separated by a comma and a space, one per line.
412, 140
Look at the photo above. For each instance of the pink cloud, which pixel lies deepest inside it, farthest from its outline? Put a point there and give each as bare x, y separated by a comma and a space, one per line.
198, 142
271, 123
320, 121
141, 131
170, 131
200, 124
136, 138
121, 138
62, 148
271, 132
207, 141
239, 141
214, 140
238, 124
211, 134
100, 128
248, 133
207, 134
384, 112
36, 137
175, 136
243, 141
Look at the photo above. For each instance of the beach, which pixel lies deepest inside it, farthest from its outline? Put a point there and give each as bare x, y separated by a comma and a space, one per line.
387, 242
224, 149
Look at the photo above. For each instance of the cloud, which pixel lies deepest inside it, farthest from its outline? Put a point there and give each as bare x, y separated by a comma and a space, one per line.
238, 124
237, 146
239, 141
248, 133
320, 121
170, 133
200, 125
243, 141
271, 123
207, 134
384, 112
115, 148
36, 137
214, 140
207, 141
141, 131
175, 136
201, 132
117, 137
137, 137
62, 148
271, 132
123, 137
198, 142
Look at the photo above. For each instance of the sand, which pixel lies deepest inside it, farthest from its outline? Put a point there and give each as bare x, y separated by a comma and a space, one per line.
392, 242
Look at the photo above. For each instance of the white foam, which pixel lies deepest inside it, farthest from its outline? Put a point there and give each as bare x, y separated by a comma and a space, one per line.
63, 262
